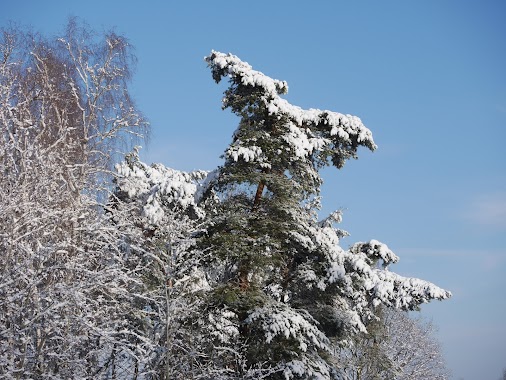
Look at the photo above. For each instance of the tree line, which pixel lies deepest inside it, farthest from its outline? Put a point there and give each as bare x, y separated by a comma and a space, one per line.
111, 268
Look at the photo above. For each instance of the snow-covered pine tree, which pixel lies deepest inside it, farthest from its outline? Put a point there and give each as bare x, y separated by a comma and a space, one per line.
282, 290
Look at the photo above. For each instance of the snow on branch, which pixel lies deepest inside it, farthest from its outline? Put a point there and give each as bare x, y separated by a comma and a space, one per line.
348, 129
229, 64
375, 250
160, 187
278, 320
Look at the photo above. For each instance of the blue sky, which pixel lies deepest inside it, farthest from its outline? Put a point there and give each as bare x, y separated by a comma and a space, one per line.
428, 78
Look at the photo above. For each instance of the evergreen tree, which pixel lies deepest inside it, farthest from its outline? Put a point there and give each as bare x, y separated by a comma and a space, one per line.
282, 290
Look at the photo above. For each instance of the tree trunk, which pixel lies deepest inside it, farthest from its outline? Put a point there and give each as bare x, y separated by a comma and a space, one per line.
258, 195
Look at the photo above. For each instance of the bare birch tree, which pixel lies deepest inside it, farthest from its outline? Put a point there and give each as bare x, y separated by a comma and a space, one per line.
64, 110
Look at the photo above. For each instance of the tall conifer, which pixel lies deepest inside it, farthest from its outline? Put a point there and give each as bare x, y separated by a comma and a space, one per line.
283, 292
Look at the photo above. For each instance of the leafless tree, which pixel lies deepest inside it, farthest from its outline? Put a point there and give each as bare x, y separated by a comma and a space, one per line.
65, 110
397, 346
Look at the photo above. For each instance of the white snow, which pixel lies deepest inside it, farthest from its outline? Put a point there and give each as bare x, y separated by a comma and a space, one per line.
344, 126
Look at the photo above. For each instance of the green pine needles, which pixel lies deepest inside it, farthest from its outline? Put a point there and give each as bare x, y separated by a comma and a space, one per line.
290, 294
262, 288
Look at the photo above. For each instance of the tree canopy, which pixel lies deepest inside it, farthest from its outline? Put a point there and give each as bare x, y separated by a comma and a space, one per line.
288, 291
148, 272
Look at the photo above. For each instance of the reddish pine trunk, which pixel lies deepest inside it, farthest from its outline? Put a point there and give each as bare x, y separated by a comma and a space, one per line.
258, 195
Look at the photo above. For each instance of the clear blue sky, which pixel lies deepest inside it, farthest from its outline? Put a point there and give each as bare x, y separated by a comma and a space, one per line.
428, 78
